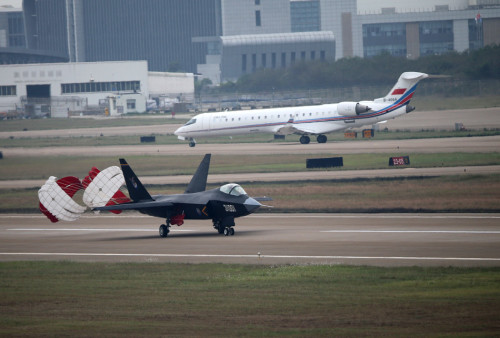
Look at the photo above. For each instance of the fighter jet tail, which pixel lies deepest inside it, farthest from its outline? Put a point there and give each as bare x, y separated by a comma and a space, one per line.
199, 181
135, 188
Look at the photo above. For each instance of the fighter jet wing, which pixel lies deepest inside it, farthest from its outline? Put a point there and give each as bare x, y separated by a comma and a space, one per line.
137, 205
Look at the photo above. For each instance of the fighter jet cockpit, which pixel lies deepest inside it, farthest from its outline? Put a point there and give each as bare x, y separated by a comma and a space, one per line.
233, 189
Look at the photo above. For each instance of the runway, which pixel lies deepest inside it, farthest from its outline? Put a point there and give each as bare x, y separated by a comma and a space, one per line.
360, 239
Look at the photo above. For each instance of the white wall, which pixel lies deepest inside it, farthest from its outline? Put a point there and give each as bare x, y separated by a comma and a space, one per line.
171, 84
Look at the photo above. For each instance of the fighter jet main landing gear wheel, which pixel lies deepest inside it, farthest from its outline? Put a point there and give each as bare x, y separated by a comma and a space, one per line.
228, 232
192, 143
164, 230
304, 139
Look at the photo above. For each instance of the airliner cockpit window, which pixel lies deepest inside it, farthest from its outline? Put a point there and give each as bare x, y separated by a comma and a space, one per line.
192, 121
233, 189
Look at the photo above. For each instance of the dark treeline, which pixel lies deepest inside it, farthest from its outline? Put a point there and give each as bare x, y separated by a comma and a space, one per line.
383, 69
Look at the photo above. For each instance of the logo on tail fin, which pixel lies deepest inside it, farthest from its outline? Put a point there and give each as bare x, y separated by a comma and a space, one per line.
398, 91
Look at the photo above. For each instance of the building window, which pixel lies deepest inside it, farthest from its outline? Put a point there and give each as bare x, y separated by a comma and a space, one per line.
244, 63
264, 60
436, 37
273, 60
313, 55
254, 62
305, 16
96, 87
257, 2
384, 37
292, 58
257, 19
303, 56
130, 104
7, 90
322, 55
283, 60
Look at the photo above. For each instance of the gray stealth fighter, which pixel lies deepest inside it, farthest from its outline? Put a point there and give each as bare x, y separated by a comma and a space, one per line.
222, 205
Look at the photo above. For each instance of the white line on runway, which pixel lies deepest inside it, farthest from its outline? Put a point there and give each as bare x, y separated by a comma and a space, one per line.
312, 215
417, 231
246, 256
90, 229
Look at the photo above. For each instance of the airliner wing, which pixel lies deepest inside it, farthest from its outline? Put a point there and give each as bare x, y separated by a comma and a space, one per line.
314, 128
300, 128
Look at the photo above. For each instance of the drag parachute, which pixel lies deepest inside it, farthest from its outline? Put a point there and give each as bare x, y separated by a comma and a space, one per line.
102, 188
56, 199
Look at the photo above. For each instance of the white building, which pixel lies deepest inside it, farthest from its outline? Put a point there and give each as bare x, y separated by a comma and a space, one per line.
57, 89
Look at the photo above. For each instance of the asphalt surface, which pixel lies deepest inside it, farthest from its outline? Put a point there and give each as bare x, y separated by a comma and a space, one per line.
360, 239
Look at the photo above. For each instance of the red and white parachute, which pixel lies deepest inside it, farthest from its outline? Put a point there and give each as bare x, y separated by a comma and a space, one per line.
100, 188
103, 188
56, 199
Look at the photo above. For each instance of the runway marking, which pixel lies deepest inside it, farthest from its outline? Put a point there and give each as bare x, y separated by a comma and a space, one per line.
90, 229
417, 231
312, 215
257, 256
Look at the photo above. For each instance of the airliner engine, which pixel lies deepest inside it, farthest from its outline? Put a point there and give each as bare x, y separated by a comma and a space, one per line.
351, 108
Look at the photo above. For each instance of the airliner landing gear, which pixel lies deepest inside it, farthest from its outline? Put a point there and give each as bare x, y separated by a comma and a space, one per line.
192, 142
304, 139
321, 139
164, 229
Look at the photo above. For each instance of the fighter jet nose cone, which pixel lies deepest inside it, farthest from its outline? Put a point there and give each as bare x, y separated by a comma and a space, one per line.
251, 205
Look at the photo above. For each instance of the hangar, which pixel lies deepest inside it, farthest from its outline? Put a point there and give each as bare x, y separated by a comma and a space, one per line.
63, 89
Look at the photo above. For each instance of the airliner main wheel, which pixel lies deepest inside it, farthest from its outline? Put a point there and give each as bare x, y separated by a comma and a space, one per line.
164, 230
192, 144
321, 139
226, 231
231, 231
304, 139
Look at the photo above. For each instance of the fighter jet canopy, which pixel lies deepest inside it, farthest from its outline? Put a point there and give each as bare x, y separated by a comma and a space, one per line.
233, 189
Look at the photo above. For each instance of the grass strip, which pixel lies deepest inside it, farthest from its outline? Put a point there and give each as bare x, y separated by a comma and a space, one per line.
16, 168
77, 123
152, 299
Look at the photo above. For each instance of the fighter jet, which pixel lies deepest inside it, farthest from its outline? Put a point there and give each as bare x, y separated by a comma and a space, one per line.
222, 205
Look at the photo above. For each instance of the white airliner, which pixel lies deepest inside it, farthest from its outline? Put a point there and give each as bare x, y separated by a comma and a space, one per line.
307, 120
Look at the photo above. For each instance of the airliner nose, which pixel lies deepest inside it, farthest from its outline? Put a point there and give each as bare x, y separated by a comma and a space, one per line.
251, 205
